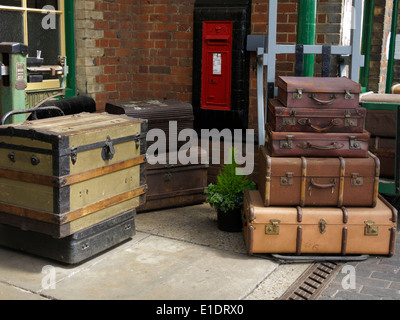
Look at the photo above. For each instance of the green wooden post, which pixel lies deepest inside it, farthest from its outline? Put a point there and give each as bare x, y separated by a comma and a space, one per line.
306, 26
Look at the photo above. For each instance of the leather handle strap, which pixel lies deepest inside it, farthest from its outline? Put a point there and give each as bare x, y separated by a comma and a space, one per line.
332, 146
319, 101
323, 185
332, 123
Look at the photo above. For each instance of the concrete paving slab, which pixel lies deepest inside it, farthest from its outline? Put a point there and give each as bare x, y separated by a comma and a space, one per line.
162, 268
195, 224
10, 292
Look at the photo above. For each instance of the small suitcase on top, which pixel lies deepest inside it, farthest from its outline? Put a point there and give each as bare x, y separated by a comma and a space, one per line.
316, 144
318, 92
281, 118
326, 230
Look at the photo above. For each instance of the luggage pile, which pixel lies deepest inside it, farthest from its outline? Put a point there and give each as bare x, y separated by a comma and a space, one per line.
69, 185
170, 184
318, 183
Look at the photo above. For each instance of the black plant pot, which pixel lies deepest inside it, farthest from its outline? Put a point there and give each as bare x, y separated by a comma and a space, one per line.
230, 221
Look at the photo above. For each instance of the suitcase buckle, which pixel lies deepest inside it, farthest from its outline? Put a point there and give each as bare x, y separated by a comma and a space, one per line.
286, 144
287, 180
354, 144
370, 229
348, 95
299, 94
273, 229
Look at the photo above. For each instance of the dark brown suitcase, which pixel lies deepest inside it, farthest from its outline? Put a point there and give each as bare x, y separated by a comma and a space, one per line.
323, 230
381, 123
307, 181
294, 144
281, 118
158, 113
175, 185
318, 92
385, 150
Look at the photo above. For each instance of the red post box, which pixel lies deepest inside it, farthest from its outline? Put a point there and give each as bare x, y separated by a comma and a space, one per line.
216, 65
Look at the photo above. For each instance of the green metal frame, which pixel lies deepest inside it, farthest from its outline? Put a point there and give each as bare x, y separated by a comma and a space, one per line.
306, 28
389, 187
70, 90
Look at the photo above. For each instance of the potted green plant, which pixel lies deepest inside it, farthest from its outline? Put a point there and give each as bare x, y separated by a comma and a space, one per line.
226, 196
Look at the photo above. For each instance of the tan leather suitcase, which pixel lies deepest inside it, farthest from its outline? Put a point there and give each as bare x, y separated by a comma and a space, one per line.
307, 181
318, 92
325, 230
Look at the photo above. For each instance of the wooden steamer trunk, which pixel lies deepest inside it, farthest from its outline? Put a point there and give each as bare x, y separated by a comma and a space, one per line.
174, 184
318, 92
158, 113
307, 181
61, 175
328, 230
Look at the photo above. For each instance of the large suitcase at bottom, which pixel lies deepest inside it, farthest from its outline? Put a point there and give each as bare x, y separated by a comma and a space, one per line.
324, 230
75, 248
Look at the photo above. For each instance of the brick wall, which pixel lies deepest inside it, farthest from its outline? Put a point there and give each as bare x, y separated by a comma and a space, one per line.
104, 63
380, 32
163, 49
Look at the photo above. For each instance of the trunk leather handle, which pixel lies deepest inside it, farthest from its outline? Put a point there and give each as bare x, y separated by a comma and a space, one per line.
332, 123
332, 146
314, 97
322, 185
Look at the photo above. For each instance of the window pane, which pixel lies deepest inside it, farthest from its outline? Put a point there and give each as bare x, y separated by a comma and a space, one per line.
11, 26
45, 39
14, 3
39, 4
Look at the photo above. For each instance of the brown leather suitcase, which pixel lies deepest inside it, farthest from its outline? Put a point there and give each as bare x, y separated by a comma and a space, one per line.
307, 181
318, 92
385, 150
159, 114
324, 230
281, 118
313, 144
176, 184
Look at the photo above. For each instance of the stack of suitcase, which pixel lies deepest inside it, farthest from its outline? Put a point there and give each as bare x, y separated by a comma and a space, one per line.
318, 184
170, 184
69, 185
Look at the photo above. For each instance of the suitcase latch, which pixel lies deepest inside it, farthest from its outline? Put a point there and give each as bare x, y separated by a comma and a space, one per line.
370, 229
299, 94
74, 154
354, 144
273, 229
322, 225
356, 180
108, 151
287, 180
286, 144
348, 95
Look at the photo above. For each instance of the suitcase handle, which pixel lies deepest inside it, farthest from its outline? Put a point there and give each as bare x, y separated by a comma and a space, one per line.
314, 97
322, 185
332, 123
332, 146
